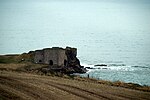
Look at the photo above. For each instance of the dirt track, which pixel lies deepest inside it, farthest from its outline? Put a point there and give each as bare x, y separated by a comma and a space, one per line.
14, 85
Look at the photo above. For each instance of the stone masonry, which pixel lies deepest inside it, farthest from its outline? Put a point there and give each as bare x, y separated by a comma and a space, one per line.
57, 56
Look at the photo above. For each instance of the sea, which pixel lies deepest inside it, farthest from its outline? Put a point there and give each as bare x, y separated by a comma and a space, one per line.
111, 32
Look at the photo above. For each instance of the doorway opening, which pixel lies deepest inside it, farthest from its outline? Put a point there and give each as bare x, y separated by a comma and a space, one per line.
50, 62
40, 61
65, 62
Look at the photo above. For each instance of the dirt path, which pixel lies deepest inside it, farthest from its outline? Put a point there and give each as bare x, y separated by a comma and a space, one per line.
25, 86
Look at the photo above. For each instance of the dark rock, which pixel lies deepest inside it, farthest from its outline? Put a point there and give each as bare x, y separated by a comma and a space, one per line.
89, 68
104, 68
100, 65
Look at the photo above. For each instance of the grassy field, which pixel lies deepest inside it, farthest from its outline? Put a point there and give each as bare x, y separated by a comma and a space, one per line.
23, 81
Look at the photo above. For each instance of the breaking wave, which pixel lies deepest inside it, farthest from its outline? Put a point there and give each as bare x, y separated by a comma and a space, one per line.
121, 72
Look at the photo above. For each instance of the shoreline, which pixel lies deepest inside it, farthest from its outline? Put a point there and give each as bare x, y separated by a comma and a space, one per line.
119, 72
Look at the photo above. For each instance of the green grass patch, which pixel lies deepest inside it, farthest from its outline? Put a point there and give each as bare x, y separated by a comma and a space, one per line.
8, 59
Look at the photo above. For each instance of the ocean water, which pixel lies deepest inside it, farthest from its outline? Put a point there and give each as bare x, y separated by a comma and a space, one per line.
112, 32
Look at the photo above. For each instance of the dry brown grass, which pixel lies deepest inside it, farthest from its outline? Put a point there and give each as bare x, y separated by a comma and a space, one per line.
22, 81
11, 66
116, 84
25, 86
34, 69
20, 66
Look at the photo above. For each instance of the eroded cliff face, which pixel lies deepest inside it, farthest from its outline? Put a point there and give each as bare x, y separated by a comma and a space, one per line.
71, 54
73, 63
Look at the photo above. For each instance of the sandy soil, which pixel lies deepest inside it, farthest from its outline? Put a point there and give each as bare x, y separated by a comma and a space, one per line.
15, 85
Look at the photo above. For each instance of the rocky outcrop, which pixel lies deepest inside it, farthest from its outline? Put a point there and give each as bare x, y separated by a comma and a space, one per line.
73, 63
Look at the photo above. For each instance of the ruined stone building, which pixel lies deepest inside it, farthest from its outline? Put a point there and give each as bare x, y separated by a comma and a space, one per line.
56, 56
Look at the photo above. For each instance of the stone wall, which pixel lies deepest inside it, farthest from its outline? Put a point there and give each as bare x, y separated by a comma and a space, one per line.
51, 56
39, 56
62, 58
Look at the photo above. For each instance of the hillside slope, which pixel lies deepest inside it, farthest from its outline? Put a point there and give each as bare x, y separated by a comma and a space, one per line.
25, 86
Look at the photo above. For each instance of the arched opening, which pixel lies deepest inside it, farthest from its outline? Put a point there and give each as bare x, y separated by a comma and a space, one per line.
40, 61
50, 62
65, 62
